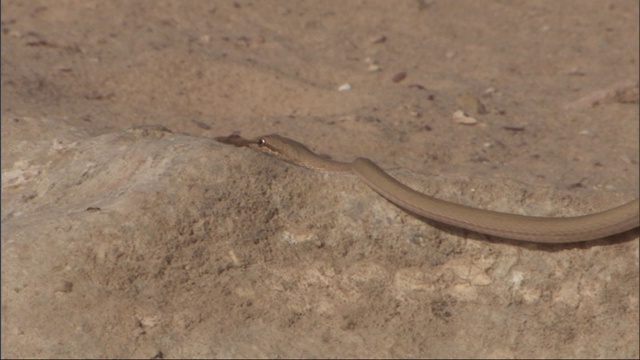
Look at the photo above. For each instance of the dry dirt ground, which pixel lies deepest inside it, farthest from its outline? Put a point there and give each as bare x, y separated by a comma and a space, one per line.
127, 231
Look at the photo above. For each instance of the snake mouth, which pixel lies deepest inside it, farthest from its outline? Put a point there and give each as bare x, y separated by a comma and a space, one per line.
235, 140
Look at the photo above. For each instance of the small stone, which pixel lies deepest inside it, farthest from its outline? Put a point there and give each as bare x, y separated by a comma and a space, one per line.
378, 39
471, 104
373, 65
460, 117
345, 87
399, 77
489, 92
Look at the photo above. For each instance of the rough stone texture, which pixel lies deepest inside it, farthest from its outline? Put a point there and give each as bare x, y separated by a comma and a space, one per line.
128, 232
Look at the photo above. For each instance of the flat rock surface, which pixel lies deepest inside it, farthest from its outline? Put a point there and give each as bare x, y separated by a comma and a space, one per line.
127, 231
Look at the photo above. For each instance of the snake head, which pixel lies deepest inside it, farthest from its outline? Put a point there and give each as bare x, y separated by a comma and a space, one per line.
278, 146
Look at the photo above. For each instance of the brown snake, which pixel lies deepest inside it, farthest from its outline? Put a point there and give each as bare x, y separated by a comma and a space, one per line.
511, 226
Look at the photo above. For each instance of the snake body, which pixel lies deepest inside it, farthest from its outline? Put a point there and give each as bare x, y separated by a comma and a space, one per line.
505, 225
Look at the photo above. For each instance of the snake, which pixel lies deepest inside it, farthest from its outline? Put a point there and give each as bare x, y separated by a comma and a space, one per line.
536, 229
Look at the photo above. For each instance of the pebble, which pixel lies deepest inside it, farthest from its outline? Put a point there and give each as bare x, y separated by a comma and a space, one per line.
471, 104
373, 65
378, 39
460, 117
399, 77
345, 87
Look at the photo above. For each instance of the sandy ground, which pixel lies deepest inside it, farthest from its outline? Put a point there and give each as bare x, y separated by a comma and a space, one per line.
128, 232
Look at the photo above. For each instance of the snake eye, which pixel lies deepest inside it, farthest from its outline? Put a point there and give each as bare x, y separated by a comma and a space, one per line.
262, 142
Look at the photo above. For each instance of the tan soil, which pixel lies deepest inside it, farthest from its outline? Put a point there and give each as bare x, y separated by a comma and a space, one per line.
128, 232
